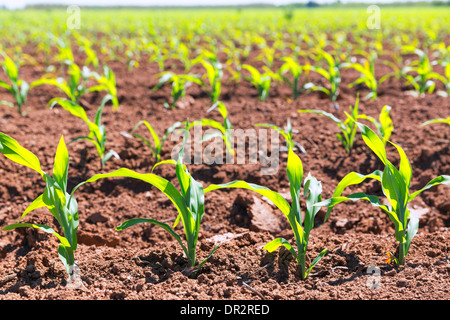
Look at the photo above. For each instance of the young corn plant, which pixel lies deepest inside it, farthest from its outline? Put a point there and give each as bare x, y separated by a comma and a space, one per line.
295, 70
268, 54
312, 190
87, 47
214, 74
76, 84
107, 82
179, 84
399, 69
395, 184
332, 74
423, 81
348, 126
158, 143
55, 197
97, 131
261, 81
367, 70
286, 133
157, 54
17, 87
189, 203
223, 130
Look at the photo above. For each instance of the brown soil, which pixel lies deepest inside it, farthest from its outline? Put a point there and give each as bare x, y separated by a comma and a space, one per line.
145, 262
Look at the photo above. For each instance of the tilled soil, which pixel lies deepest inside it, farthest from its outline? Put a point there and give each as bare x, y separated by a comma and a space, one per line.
145, 263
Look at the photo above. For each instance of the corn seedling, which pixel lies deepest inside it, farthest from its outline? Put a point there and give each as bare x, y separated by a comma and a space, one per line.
131, 53
332, 74
86, 46
223, 130
54, 197
189, 204
76, 84
107, 82
267, 54
158, 143
182, 54
157, 55
384, 124
348, 126
179, 84
261, 81
312, 191
286, 133
97, 131
367, 70
17, 87
214, 74
295, 70
423, 68
395, 184
399, 70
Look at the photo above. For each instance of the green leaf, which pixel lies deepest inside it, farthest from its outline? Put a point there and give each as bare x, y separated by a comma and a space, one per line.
254, 73
352, 178
315, 261
10, 68
276, 243
70, 106
170, 161
200, 265
273, 196
61, 165
374, 201
295, 177
373, 142
413, 227
167, 76
294, 172
62, 85
152, 132
312, 191
41, 227
37, 203
98, 114
395, 189
15, 152
386, 123
405, 169
131, 222
162, 184
66, 256
437, 120
324, 113
444, 179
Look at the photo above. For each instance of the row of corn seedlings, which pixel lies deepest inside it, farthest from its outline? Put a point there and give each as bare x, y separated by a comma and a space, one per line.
419, 74
190, 201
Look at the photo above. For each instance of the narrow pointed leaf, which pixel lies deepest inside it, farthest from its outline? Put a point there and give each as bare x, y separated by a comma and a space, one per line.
15, 152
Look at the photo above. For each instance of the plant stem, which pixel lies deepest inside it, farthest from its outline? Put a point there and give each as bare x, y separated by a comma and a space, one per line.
301, 264
401, 253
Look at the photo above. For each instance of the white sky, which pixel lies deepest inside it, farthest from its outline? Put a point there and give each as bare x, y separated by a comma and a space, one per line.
13, 4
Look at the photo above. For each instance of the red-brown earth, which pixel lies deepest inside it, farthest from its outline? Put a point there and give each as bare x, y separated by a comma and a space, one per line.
145, 263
